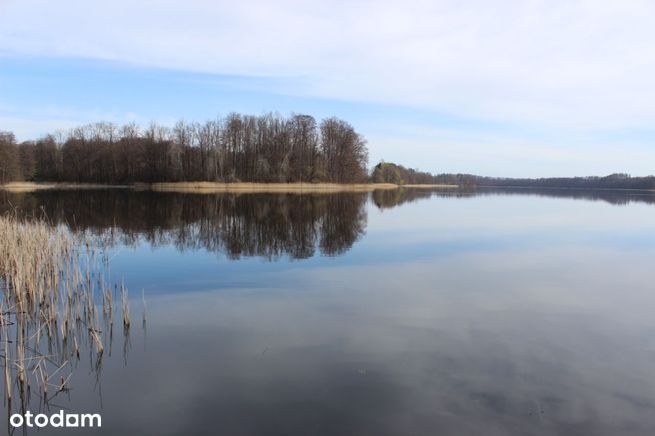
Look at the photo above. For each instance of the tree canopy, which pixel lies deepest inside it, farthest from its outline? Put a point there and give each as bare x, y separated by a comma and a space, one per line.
266, 148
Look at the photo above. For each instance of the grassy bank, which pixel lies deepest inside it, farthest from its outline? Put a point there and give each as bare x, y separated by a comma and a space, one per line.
211, 187
429, 186
31, 186
269, 187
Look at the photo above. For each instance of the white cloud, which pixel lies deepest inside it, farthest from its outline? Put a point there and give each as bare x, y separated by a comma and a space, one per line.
582, 64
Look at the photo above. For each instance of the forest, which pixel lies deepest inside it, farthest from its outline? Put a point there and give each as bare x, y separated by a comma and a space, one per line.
612, 181
266, 148
237, 148
385, 172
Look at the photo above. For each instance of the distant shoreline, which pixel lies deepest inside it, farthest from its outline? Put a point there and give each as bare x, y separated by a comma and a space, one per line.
562, 188
212, 187
295, 187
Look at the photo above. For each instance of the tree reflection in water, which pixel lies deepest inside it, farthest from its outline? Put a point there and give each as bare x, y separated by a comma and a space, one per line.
244, 225
236, 225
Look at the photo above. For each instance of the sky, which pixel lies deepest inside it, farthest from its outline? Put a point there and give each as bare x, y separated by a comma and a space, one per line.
504, 88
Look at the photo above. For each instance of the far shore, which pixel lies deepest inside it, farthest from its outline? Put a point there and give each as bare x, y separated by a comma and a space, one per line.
32, 186
212, 187
428, 186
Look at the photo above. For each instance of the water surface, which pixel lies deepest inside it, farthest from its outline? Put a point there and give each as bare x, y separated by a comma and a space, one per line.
396, 312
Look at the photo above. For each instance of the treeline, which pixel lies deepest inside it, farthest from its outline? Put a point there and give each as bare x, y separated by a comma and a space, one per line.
616, 197
267, 148
387, 172
613, 181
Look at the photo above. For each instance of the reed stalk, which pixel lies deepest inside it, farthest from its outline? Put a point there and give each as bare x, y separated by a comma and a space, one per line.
49, 279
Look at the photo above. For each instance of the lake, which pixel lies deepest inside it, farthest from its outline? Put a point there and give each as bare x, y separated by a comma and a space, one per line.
406, 312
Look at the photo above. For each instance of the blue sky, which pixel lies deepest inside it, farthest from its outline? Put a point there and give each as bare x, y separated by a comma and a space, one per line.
517, 88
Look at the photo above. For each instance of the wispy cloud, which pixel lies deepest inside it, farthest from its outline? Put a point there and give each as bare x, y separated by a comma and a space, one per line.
571, 63
513, 87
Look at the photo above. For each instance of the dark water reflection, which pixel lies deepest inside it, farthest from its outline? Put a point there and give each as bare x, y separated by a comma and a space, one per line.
237, 225
393, 198
391, 313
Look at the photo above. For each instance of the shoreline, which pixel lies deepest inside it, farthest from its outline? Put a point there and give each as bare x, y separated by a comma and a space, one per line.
252, 187
248, 187
217, 187
564, 188
34, 186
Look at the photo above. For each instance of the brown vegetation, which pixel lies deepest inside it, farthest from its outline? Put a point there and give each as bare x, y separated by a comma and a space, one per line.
48, 281
211, 187
430, 186
264, 149
32, 186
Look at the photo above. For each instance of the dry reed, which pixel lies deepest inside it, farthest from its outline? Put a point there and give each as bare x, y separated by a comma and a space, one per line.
246, 187
49, 278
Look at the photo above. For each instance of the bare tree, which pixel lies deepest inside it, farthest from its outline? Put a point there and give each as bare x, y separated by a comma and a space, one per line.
262, 148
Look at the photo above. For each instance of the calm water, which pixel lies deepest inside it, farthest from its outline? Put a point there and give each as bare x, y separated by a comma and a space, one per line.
392, 313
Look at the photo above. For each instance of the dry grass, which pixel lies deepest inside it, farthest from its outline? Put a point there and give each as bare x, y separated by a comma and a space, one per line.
30, 186
428, 186
213, 187
210, 187
48, 282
